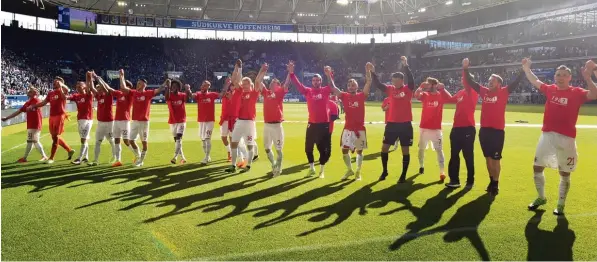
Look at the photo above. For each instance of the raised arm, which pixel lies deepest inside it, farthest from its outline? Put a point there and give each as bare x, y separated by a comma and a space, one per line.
123, 87
367, 88
421, 89
102, 83
64, 90
260, 76
328, 72
516, 83
237, 74
89, 82
376, 83
590, 67
187, 90
448, 98
286, 83
409, 75
165, 85
467, 78
299, 86
526, 67
226, 86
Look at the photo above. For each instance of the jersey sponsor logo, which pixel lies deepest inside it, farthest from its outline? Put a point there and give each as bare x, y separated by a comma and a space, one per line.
178, 102
399, 95
247, 96
141, 98
433, 104
81, 101
272, 96
101, 101
55, 97
354, 104
206, 101
562, 101
317, 96
490, 99
122, 98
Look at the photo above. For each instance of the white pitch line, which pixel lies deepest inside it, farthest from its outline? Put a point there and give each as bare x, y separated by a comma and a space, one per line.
20, 145
427, 231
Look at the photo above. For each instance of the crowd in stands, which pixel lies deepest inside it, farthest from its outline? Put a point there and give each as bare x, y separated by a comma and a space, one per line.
25, 61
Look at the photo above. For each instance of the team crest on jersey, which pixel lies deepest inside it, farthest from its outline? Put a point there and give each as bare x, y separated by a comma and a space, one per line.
55, 97
247, 96
433, 104
122, 98
563, 101
490, 99
101, 101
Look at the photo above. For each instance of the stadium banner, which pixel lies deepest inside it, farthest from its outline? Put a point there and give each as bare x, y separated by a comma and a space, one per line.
66, 71
219, 75
173, 74
217, 25
356, 75
112, 74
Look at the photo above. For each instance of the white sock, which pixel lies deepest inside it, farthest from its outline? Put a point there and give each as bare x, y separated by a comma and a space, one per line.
255, 150
564, 188
279, 161
40, 149
143, 154
312, 166
250, 157
228, 148
82, 152
28, 149
118, 149
440, 159
180, 152
113, 146
176, 148
134, 150
421, 156
322, 167
346, 158
242, 147
270, 156
234, 155
359, 161
540, 184
86, 156
97, 150
207, 148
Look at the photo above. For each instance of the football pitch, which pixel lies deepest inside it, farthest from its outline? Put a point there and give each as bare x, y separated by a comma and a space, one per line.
192, 212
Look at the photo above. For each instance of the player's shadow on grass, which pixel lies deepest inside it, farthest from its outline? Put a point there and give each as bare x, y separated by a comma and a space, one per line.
548, 245
428, 215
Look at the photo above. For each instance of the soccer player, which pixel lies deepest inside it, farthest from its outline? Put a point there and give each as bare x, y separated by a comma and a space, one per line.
273, 116
141, 108
122, 126
431, 123
494, 98
245, 125
230, 109
206, 116
399, 126
57, 100
462, 135
318, 128
105, 118
333, 112
177, 117
34, 123
84, 100
557, 144
385, 106
354, 136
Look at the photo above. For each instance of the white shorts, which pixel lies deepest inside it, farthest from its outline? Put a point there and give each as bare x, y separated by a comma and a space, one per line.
434, 136
85, 128
351, 141
273, 134
206, 129
177, 128
104, 130
122, 129
556, 151
246, 130
140, 129
224, 130
33, 134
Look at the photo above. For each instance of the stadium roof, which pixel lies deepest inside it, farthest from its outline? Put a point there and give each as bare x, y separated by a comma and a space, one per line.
354, 12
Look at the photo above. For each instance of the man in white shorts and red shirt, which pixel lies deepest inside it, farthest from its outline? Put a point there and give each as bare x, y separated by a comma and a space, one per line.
84, 100
244, 128
206, 117
105, 119
141, 109
354, 135
177, 116
431, 122
273, 116
557, 144
231, 98
34, 123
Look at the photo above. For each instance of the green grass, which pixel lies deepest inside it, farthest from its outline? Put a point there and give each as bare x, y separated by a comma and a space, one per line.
190, 212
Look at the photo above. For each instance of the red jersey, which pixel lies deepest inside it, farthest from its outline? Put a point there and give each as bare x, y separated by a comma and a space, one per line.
225, 106
317, 101
273, 108
400, 104
57, 103
123, 105
385, 103
493, 109
104, 107
561, 109
234, 103
354, 106
433, 108
206, 106
176, 108
466, 102
247, 105
33, 116
84, 105
141, 102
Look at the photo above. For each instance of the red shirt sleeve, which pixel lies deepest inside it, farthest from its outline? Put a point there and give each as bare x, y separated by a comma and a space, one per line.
582, 94
24, 107
544, 88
